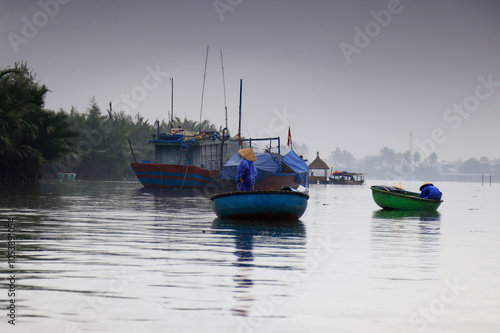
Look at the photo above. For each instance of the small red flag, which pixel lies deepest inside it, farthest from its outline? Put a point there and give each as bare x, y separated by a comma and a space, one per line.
289, 137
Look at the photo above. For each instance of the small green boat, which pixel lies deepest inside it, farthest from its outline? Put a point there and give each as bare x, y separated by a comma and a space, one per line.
389, 197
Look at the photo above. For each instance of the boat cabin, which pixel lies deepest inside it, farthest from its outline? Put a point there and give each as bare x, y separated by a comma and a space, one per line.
205, 150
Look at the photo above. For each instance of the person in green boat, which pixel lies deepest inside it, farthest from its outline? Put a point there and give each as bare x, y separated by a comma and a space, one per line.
429, 191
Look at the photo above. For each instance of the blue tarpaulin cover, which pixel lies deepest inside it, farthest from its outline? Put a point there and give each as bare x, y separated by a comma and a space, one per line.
267, 164
298, 165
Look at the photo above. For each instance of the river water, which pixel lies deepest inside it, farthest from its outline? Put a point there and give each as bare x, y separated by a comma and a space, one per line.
114, 257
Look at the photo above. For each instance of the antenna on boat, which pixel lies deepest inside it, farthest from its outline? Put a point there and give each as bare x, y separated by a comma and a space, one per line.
203, 88
172, 103
224, 131
223, 84
239, 117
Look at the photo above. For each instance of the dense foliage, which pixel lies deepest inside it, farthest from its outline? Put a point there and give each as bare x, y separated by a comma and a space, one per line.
103, 150
36, 142
30, 136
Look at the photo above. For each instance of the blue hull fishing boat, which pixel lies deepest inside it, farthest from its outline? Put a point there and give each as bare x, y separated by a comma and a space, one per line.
283, 204
183, 160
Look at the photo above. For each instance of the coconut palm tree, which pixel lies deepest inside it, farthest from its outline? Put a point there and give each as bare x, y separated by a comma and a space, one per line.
29, 135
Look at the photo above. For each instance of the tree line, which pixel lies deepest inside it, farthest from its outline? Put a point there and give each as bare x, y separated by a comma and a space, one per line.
389, 164
30, 136
103, 151
36, 142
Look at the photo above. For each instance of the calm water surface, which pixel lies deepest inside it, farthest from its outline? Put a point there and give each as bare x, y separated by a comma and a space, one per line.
114, 257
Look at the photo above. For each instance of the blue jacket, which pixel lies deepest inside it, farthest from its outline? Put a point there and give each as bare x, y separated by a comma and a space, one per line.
246, 170
431, 192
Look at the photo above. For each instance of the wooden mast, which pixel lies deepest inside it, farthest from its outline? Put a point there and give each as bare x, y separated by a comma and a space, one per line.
239, 117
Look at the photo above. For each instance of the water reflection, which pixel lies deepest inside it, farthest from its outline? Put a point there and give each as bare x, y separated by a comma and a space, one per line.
396, 214
406, 239
284, 238
31, 196
170, 192
173, 201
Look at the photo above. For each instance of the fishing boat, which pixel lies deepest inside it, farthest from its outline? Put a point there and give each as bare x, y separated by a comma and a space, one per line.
183, 160
196, 160
274, 170
347, 178
282, 204
390, 197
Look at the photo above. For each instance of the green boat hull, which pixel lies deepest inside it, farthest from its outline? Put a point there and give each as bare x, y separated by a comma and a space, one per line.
403, 200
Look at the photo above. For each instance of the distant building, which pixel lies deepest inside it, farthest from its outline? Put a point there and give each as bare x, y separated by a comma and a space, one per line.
318, 171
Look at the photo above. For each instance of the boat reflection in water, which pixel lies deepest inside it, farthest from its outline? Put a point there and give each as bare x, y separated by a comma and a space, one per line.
279, 245
409, 239
170, 192
394, 214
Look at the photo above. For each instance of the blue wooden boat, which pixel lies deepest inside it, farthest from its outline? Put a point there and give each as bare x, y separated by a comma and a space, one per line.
283, 204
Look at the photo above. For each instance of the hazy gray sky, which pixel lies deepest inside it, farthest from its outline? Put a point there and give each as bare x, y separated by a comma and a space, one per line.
358, 75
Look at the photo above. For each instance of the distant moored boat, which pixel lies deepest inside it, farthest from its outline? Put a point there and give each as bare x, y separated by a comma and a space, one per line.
347, 178
66, 175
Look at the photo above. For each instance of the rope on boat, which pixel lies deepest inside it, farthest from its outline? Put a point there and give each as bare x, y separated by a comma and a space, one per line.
185, 174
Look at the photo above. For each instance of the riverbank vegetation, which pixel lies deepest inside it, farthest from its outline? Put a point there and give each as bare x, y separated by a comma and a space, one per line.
103, 151
389, 164
30, 136
38, 143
